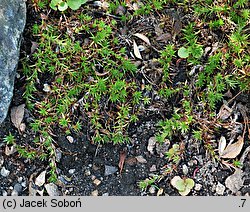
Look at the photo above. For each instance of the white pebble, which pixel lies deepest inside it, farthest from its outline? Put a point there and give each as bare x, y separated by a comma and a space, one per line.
5, 172
197, 187
220, 188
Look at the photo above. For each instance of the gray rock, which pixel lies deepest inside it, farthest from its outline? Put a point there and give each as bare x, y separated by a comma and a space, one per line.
4, 172
14, 193
4, 193
18, 188
12, 22
52, 189
110, 170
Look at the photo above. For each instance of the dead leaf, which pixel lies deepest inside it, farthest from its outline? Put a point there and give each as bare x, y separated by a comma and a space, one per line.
244, 155
32, 190
164, 37
33, 48
16, 115
143, 37
131, 161
158, 30
101, 74
22, 127
136, 50
9, 150
160, 192
40, 192
177, 27
225, 112
123, 155
234, 149
141, 159
222, 144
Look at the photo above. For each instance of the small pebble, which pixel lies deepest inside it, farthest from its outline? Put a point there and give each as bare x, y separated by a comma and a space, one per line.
14, 193
185, 169
72, 171
153, 168
24, 184
70, 139
105, 194
197, 187
18, 187
152, 190
190, 163
220, 188
52, 189
4, 193
97, 182
110, 170
58, 155
20, 179
94, 193
238, 193
87, 173
5, 172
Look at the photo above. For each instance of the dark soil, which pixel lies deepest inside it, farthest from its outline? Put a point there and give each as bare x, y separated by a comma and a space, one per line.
82, 162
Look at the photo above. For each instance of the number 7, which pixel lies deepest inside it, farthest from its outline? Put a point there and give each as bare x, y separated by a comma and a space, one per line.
244, 200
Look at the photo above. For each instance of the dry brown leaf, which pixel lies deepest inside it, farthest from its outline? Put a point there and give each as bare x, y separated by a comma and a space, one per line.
33, 48
22, 127
141, 159
225, 112
136, 50
123, 155
222, 144
131, 161
143, 37
16, 115
9, 150
101, 74
164, 37
234, 149
177, 27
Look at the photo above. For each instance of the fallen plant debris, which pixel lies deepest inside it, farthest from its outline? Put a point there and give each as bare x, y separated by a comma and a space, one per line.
127, 97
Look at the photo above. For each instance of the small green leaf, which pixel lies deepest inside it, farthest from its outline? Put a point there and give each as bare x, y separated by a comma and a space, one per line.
183, 52
185, 192
62, 6
76, 4
180, 185
189, 183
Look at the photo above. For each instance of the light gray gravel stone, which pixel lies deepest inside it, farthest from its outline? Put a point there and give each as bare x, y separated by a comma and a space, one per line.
4, 172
